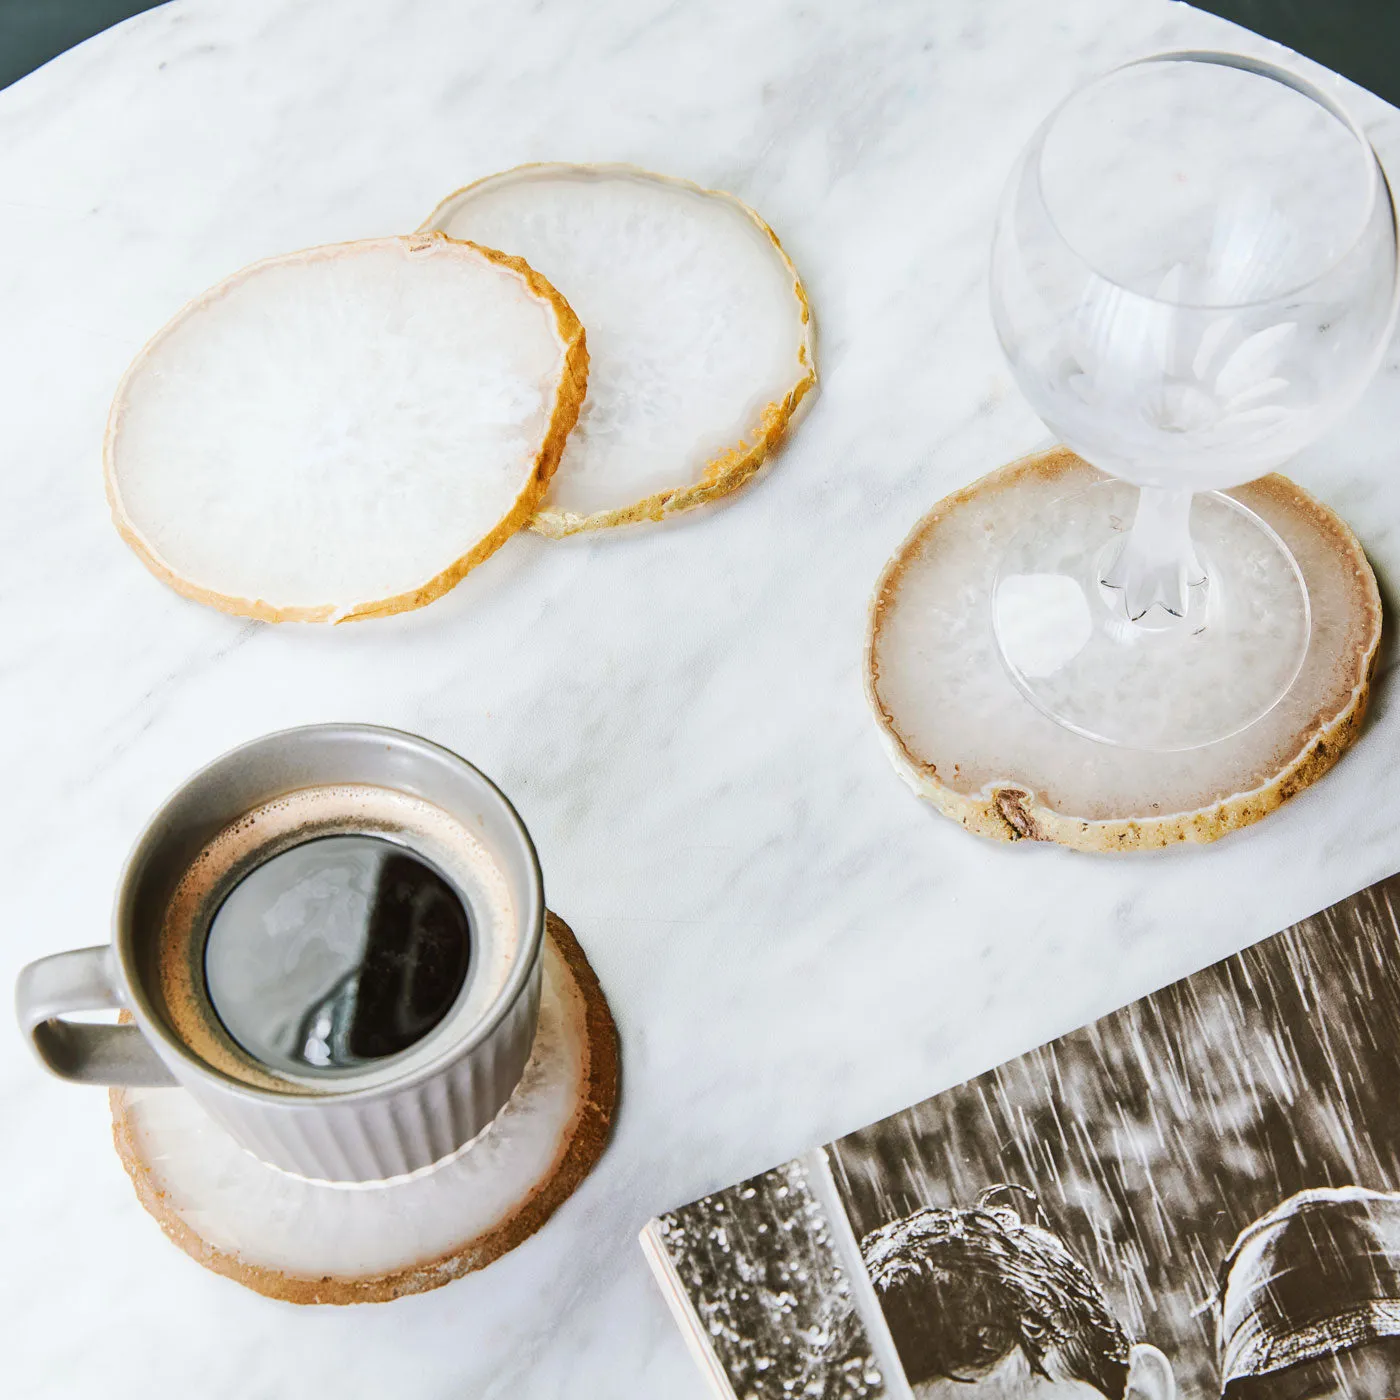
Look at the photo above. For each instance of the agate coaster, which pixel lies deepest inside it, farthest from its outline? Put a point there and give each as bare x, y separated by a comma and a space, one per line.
698, 325
311, 1242
963, 737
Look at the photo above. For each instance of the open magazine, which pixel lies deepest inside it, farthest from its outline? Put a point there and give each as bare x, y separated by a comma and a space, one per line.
1195, 1196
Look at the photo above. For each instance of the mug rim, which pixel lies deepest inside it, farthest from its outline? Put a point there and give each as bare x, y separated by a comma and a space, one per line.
529, 945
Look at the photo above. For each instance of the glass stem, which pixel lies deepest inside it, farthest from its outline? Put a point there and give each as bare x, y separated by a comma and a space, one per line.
1156, 565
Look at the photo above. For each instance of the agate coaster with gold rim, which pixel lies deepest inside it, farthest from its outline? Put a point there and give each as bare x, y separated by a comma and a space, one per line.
963, 737
699, 330
317, 1242
346, 431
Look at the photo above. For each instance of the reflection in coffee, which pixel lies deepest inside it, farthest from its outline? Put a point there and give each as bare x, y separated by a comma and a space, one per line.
336, 953
329, 934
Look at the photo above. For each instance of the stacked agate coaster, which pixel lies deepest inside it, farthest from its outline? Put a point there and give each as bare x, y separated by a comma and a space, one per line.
318, 1242
964, 738
698, 327
346, 431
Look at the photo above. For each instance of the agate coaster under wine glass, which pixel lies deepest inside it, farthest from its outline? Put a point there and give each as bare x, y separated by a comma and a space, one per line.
373, 1242
963, 736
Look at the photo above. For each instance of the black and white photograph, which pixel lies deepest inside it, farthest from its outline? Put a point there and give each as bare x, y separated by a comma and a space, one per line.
754, 1277
1194, 1196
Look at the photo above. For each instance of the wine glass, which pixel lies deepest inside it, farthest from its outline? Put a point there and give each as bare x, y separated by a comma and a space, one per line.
1193, 274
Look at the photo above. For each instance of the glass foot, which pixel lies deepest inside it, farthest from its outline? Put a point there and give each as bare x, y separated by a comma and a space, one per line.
1160, 681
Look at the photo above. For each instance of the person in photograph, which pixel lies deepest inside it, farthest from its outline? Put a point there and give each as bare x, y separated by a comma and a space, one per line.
1309, 1300
982, 1305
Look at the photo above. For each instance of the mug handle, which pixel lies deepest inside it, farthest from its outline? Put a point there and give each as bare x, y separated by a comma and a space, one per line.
83, 980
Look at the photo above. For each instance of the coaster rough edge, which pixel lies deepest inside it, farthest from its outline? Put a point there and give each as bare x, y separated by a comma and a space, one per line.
584, 1141
569, 397
1008, 810
730, 469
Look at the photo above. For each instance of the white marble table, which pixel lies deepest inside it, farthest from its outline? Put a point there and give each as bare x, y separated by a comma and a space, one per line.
793, 945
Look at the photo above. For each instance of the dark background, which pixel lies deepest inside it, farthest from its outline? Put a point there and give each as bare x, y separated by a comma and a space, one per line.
1360, 38
1154, 1136
33, 31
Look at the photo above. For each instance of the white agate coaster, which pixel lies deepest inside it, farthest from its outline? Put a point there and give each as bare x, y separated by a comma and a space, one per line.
346, 431
699, 332
317, 1242
965, 738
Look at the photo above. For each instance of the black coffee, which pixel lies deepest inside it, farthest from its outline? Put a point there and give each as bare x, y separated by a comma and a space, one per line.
336, 953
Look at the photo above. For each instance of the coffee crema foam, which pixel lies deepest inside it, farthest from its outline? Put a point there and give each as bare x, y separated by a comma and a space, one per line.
288, 821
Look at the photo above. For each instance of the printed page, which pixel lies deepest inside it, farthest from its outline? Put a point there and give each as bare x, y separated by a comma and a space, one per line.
1195, 1197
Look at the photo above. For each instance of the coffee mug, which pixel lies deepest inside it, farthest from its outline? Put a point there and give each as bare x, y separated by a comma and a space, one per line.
371, 1080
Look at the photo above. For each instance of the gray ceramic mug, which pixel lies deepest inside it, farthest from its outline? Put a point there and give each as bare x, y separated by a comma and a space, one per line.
407, 1115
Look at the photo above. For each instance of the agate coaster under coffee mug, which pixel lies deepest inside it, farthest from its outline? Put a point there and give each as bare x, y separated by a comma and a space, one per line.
375, 1242
965, 739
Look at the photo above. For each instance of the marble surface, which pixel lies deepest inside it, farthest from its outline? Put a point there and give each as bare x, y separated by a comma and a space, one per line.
793, 944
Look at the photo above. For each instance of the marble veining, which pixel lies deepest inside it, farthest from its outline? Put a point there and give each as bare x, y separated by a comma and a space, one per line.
792, 943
